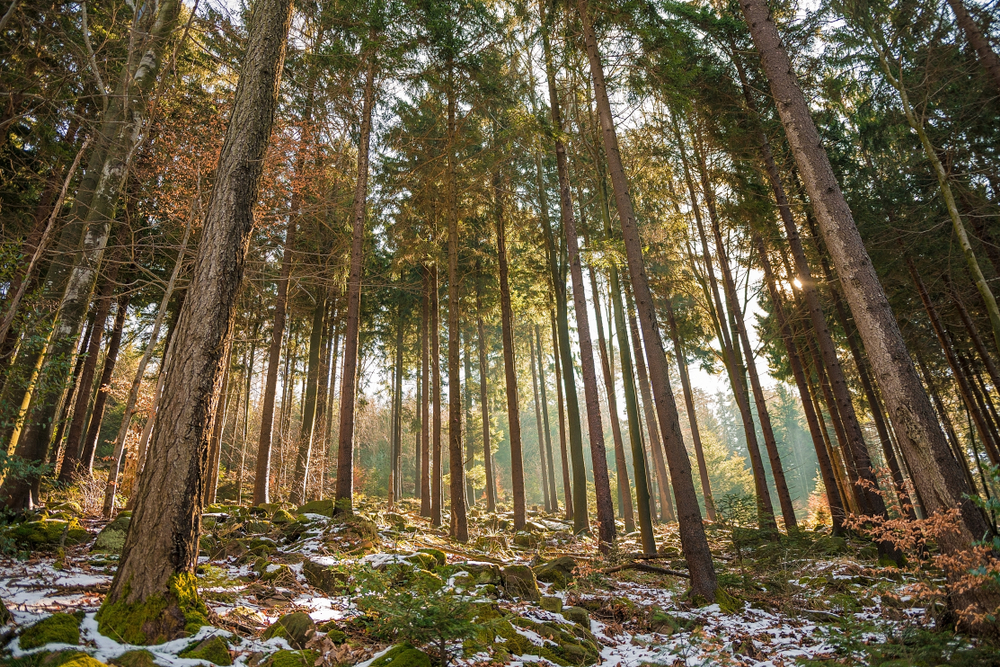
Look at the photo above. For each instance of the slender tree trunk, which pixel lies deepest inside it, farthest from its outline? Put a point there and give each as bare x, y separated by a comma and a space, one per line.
436, 492
538, 426
988, 58
682, 367
72, 388
322, 400
89, 445
567, 489
397, 426
692, 530
510, 368
161, 547
977, 341
349, 382
425, 422
945, 420
300, 483
218, 428
470, 454
938, 477
551, 491
246, 414
484, 406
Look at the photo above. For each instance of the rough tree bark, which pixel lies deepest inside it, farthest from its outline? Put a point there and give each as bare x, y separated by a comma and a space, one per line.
553, 499
156, 568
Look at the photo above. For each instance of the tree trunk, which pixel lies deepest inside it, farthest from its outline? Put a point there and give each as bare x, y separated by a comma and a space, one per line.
218, 428
322, 400
556, 354
551, 491
977, 341
436, 463
484, 406
538, 426
70, 467
510, 369
425, 422
300, 484
349, 382
682, 367
89, 445
459, 522
938, 477
161, 547
692, 530
470, 454
978, 41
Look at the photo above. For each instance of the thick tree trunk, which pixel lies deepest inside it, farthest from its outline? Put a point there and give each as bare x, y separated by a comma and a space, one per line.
938, 477
425, 422
692, 530
551, 491
349, 382
89, 445
484, 406
161, 547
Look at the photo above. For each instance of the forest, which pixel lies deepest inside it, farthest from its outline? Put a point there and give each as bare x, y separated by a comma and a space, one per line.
413, 333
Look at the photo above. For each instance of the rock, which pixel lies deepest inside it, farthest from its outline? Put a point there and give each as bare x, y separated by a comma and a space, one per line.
558, 572
292, 659
214, 650
71, 659
403, 655
524, 539
519, 582
566, 644
324, 507
551, 603
297, 629
47, 534
324, 577
138, 658
422, 560
480, 574
333, 633
281, 517
56, 629
578, 615
664, 623
70, 507
397, 521
439, 556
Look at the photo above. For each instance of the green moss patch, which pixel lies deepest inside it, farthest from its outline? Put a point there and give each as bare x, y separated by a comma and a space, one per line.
138, 658
156, 619
111, 539
292, 659
56, 629
403, 655
214, 650
297, 629
48, 534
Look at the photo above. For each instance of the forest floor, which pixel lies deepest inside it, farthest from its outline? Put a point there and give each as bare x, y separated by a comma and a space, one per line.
290, 587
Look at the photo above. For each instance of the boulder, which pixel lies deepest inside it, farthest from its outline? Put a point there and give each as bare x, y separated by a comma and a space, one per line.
479, 574
578, 615
322, 576
439, 556
403, 655
519, 582
291, 659
281, 517
333, 632
56, 629
71, 659
138, 658
297, 629
558, 572
214, 650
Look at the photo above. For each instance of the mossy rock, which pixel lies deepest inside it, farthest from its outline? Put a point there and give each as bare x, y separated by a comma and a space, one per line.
663, 623
56, 629
297, 629
333, 632
215, 649
291, 659
70, 506
519, 582
439, 556
526, 539
558, 572
158, 618
399, 522
567, 647
71, 659
403, 655
138, 658
282, 574
479, 574
728, 602
577, 615
422, 560
551, 603
259, 527
324, 507
281, 517
327, 579
48, 534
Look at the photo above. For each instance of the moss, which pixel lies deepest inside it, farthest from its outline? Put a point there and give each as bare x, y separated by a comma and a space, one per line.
281, 517
214, 650
333, 632
324, 507
519, 581
154, 620
56, 629
438, 556
292, 659
403, 655
551, 603
82, 660
297, 629
422, 560
139, 658
50, 533
559, 572
728, 602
